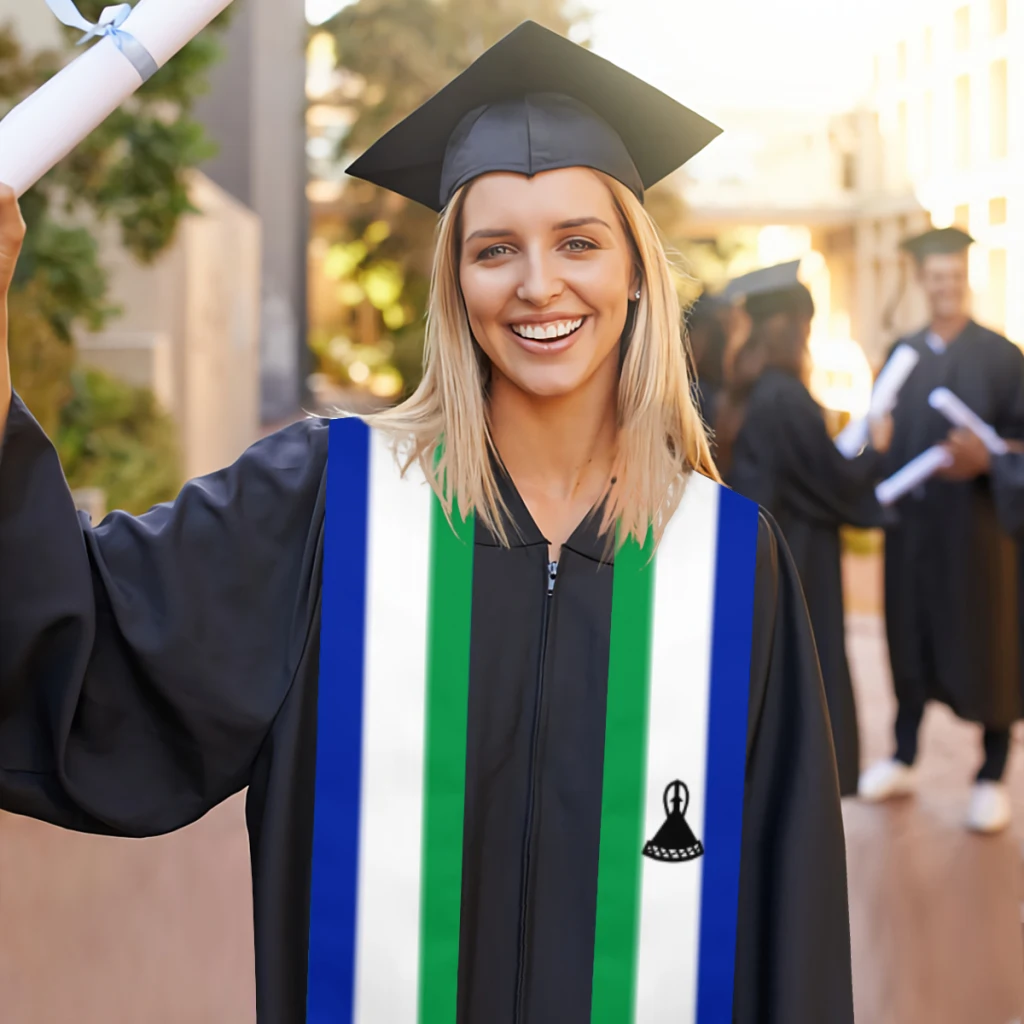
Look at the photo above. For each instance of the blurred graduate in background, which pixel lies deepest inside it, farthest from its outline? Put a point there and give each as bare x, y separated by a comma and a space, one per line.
950, 568
784, 458
706, 324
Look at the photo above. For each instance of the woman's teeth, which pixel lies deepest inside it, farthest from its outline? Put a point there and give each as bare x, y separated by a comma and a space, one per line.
545, 332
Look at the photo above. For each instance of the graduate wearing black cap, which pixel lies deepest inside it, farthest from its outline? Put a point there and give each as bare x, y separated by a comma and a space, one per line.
533, 731
784, 458
950, 570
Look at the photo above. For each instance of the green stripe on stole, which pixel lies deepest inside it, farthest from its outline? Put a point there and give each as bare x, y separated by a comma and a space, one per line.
444, 787
622, 797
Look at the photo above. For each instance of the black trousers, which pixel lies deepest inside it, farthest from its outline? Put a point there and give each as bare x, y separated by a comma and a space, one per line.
996, 743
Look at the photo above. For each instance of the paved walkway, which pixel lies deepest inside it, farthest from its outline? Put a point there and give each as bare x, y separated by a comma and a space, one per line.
936, 920
935, 911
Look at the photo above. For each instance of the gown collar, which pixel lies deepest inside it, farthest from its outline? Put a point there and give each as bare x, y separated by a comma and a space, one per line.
523, 532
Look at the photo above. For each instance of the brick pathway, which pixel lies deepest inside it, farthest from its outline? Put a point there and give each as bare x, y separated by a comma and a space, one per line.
935, 911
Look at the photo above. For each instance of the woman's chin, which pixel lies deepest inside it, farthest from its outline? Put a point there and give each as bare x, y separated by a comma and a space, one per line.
561, 376
551, 382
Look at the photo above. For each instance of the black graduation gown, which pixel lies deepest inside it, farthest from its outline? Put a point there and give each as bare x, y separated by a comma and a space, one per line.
152, 666
1007, 475
785, 460
950, 569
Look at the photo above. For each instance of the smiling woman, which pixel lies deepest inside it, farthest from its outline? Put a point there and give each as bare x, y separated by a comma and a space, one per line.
565, 309
530, 717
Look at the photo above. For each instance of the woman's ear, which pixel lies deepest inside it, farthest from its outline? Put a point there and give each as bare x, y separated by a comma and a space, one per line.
635, 281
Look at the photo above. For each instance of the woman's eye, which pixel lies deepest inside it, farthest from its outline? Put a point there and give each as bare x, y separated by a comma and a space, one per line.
493, 251
579, 245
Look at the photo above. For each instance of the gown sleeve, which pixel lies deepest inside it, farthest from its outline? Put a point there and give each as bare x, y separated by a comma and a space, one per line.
820, 483
142, 661
793, 950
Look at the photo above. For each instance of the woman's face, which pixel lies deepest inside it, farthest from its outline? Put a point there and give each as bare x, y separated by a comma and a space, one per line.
547, 272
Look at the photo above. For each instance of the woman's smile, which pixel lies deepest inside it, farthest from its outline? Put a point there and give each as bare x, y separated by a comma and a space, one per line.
548, 336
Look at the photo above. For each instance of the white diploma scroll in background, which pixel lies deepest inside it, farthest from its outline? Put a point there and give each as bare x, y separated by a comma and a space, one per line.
943, 400
912, 475
47, 125
854, 436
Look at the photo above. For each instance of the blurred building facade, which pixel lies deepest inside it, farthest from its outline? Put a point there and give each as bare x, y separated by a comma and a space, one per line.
936, 142
255, 111
190, 327
949, 91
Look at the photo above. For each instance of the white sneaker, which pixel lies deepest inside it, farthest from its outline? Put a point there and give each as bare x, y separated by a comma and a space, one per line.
885, 780
989, 808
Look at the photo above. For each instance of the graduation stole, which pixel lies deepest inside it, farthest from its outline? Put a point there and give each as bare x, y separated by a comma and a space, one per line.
391, 754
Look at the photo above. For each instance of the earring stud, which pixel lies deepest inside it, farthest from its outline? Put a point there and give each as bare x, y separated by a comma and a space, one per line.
637, 296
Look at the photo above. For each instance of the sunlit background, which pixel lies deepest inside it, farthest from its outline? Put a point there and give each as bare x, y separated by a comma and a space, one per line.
847, 127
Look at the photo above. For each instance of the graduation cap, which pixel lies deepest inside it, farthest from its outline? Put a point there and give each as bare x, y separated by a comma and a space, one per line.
675, 840
771, 290
535, 102
936, 242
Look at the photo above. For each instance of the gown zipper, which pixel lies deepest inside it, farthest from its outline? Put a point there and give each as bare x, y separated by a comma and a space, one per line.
517, 1013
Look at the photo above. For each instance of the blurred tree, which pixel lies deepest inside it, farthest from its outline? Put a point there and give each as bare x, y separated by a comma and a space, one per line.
393, 55
132, 171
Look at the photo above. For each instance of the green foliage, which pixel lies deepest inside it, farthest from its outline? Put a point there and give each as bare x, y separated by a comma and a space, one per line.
115, 437
70, 285
395, 54
41, 362
132, 170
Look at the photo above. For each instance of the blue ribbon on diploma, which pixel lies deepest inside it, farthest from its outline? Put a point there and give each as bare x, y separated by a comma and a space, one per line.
109, 25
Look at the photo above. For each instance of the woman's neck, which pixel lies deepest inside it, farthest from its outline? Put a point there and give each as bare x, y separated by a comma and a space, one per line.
559, 451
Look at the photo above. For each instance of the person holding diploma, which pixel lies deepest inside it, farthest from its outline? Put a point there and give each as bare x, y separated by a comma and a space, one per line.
785, 459
950, 568
526, 702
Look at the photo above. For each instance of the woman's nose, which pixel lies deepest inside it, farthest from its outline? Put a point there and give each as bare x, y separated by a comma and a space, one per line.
541, 283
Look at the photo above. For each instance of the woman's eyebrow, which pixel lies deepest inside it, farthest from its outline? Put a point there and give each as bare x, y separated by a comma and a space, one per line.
490, 233
581, 222
576, 222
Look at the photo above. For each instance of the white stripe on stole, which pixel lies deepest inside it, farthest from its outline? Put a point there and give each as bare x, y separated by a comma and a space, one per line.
670, 901
391, 812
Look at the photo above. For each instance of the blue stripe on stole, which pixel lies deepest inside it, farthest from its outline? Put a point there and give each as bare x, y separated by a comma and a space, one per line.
330, 986
732, 635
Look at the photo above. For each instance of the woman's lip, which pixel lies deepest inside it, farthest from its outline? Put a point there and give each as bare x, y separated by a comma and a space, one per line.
541, 319
548, 348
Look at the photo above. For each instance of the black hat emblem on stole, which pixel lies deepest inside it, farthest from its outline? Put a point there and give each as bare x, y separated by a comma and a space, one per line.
675, 841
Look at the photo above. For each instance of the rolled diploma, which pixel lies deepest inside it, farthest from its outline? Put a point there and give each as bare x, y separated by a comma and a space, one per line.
854, 436
912, 475
944, 401
47, 125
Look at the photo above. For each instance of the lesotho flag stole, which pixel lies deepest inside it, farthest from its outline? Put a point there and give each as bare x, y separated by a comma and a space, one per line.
397, 622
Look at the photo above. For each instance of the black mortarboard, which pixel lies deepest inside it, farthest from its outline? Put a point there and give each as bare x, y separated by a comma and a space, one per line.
771, 290
535, 102
936, 242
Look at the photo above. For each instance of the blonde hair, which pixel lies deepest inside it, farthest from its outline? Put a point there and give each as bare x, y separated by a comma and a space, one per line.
661, 438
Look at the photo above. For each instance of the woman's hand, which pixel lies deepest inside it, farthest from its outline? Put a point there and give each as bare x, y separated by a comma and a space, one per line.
970, 456
880, 431
12, 233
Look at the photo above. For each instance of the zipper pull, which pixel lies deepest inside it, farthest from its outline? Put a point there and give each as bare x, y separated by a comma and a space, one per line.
552, 574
